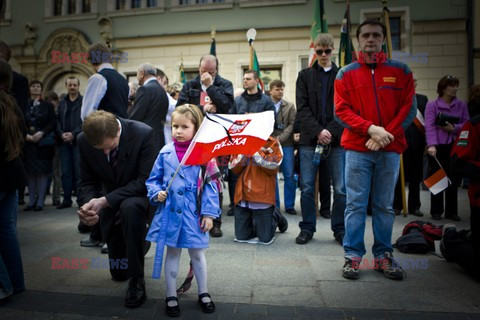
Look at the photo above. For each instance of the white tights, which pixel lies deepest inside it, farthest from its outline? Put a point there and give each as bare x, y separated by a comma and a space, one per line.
199, 264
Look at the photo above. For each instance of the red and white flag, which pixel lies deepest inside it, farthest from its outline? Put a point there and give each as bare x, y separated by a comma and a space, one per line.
437, 182
247, 133
419, 121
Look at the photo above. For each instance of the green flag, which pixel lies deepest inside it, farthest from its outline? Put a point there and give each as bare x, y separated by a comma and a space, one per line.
345, 52
319, 25
213, 48
183, 79
256, 67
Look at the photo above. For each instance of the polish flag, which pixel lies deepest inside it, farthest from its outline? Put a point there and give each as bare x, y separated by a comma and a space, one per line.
225, 134
437, 182
419, 121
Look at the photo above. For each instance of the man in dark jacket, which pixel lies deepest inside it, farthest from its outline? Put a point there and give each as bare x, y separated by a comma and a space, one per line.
315, 117
252, 100
151, 103
413, 160
208, 90
69, 126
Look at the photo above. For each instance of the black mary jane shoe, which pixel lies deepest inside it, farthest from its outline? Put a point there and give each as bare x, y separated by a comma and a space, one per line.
207, 307
172, 311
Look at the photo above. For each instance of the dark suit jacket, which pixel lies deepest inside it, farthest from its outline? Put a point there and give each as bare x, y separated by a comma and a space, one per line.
20, 90
136, 155
151, 107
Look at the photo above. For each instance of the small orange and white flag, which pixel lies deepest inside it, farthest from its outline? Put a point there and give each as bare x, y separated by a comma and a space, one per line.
437, 182
419, 121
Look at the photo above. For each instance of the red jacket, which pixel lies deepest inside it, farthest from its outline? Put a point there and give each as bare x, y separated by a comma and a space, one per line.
466, 157
383, 96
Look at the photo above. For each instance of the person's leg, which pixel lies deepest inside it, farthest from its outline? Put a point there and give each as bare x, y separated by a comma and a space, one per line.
199, 265
287, 166
436, 201
57, 178
243, 223
133, 217
172, 261
307, 185
76, 166
337, 173
67, 172
117, 251
265, 224
32, 189
358, 176
451, 193
397, 197
277, 193
324, 188
42, 181
385, 170
11, 267
415, 179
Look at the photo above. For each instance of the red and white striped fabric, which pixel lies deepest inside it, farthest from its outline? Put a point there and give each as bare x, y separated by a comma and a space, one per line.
437, 182
248, 133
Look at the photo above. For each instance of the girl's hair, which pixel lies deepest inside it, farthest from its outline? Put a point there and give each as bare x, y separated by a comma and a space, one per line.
192, 112
446, 81
10, 115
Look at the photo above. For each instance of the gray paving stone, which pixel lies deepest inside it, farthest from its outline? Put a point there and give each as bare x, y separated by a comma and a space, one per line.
319, 313
366, 314
287, 295
243, 309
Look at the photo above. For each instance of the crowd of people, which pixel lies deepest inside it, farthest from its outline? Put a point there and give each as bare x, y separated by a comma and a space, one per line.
118, 147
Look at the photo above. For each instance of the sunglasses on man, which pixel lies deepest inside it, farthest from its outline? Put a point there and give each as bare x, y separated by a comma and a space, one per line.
320, 52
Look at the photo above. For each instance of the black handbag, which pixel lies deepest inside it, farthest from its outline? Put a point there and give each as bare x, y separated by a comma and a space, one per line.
47, 140
442, 119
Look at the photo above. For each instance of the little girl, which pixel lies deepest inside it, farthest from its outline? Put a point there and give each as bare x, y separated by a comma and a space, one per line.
186, 211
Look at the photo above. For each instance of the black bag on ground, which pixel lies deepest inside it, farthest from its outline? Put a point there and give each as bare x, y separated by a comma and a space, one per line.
412, 242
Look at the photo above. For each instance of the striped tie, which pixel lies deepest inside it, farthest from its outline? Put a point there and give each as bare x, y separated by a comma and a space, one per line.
113, 159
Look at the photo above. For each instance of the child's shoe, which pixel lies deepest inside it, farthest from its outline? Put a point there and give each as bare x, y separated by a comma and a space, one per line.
207, 307
172, 311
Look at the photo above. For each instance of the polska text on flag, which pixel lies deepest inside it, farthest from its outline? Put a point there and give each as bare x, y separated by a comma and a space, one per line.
247, 133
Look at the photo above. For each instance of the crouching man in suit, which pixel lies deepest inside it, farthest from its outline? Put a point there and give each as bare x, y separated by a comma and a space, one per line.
116, 156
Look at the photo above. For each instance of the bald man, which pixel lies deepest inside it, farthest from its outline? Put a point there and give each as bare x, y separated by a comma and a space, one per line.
208, 90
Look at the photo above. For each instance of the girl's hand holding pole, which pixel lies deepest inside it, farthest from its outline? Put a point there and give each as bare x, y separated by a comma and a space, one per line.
162, 195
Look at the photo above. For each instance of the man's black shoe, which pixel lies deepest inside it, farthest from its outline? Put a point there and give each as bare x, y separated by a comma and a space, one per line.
136, 294
21, 202
416, 213
37, 208
304, 237
339, 237
104, 249
230, 212
89, 242
436, 217
64, 205
28, 208
216, 232
397, 211
454, 218
56, 203
325, 214
282, 222
291, 211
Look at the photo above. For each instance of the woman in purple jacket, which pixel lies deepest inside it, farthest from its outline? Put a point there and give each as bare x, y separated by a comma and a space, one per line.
444, 118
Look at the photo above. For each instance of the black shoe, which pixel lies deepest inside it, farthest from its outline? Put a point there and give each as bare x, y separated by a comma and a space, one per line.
339, 237
172, 311
454, 218
37, 208
28, 208
397, 211
282, 222
350, 269
104, 248
230, 212
64, 205
304, 237
325, 214
291, 211
416, 213
216, 232
89, 242
390, 268
136, 294
56, 203
21, 202
207, 307
436, 217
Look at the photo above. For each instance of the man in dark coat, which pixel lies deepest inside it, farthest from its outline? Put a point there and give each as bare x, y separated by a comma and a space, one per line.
116, 157
151, 103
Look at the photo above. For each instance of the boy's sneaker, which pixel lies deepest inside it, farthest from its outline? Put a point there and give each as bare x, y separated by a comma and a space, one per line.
251, 241
267, 243
390, 268
443, 249
350, 269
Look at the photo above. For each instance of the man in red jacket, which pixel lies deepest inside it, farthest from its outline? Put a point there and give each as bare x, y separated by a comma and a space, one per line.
375, 102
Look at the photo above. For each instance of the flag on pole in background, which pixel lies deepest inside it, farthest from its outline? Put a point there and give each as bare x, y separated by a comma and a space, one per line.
256, 67
437, 182
247, 133
419, 121
183, 79
346, 53
213, 48
319, 25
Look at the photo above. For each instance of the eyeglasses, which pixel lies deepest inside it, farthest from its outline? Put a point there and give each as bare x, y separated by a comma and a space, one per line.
320, 52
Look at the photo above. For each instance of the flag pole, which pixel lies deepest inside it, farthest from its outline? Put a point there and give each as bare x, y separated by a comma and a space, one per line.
386, 13
251, 34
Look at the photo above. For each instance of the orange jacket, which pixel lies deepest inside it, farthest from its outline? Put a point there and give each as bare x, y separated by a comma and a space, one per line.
257, 173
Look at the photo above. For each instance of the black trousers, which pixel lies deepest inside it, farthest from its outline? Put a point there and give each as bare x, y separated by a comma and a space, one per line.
255, 222
451, 200
127, 237
413, 167
463, 248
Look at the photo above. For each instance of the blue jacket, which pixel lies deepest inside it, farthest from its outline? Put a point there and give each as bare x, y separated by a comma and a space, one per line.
183, 227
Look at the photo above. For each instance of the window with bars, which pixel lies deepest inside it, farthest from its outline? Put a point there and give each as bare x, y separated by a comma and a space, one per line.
120, 4
136, 4
268, 73
151, 3
71, 6
57, 7
86, 6
3, 8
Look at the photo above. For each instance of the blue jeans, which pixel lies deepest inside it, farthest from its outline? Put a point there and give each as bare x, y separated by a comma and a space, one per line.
378, 170
337, 173
11, 269
70, 170
287, 167
308, 173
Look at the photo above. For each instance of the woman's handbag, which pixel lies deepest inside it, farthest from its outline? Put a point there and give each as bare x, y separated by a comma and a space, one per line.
47, 140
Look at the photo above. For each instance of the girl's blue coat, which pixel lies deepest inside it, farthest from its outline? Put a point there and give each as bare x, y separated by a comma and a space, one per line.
183, 228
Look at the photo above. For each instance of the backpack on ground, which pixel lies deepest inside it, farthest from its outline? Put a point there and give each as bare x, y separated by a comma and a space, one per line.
419, 237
